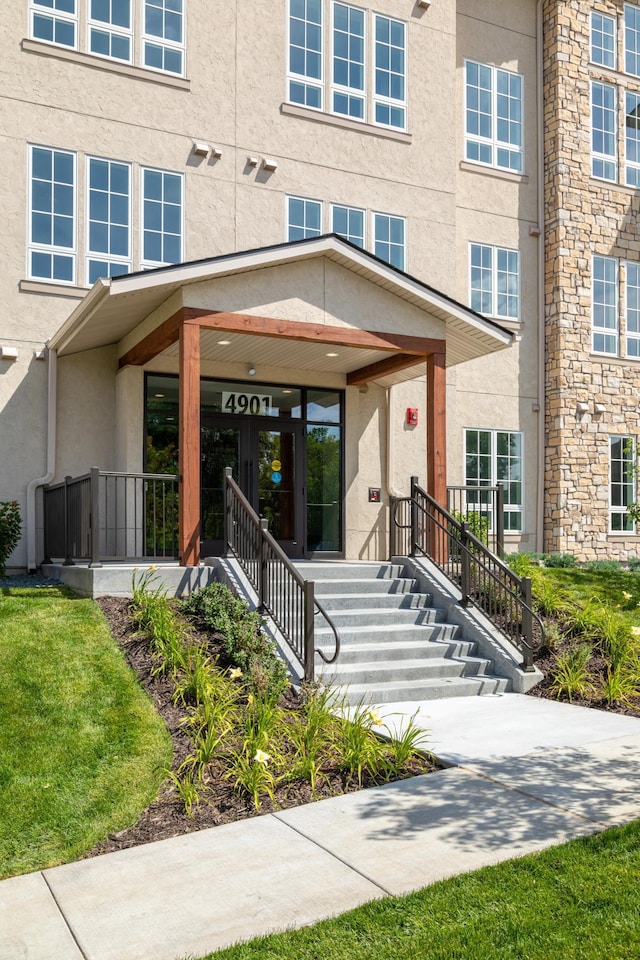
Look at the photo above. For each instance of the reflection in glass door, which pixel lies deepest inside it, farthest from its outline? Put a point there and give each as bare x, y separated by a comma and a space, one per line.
220, 448
277, 483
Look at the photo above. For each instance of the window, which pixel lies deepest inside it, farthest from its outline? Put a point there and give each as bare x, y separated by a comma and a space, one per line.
108, 226
348, 75
304, 218
604, 316
632, 309
621, 483
632, 39
493, 117
55, 21
52, 227
632, 141
603, 40
348, 222
389, 239
161, 217
348, 61
390, 96
110, 29
163, 35
491, 457
495, 281
603, 131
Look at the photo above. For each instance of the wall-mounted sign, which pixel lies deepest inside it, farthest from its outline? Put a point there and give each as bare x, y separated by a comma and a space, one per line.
276, 477
254, 404
276, 465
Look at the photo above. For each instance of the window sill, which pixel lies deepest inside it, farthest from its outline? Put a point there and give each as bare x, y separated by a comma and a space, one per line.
101, 63
615, 358
318, 116
614, 185
613, 73
52, 289
470, 167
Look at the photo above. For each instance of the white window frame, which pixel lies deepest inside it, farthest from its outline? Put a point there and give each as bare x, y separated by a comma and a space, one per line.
601, 156
52, 249
604, 329
340, 89
99, 256
627, 480
510, 509
55, 16
302, 78
307, 201
146, 264
389, 217
632, 307
163, 42
634, 10
601, 60
325, 83
349, 210
493, 144
111, 31
495, 274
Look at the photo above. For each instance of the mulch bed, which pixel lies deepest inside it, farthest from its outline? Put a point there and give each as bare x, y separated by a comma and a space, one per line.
545, 661
166, 817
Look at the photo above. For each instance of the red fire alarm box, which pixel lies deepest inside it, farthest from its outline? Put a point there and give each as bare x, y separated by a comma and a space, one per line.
412, 416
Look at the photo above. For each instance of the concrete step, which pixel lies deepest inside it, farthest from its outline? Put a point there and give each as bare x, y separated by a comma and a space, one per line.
390, 632
381, 618
426, 689
383, 651
330, 587
402, 671
344, 570
375, 601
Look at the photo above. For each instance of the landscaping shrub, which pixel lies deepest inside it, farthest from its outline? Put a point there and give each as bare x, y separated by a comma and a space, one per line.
560, 560
245, 643
10, 525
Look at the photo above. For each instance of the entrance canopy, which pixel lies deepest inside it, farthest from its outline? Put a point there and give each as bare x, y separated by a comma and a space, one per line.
321, 305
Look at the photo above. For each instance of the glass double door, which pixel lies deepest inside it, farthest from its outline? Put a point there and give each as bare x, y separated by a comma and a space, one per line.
265, 456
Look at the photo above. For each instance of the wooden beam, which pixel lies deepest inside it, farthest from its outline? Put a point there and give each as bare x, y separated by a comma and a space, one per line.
189, 447
437, 428
304, 332
382, 368
158, 340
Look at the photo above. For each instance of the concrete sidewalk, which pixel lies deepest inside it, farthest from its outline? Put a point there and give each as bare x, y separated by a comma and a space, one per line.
532, 774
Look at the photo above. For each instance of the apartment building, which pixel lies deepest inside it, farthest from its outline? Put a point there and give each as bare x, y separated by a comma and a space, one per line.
307, 245
592, 137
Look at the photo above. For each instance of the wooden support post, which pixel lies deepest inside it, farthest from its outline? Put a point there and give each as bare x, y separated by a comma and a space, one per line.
189, 446
437, 428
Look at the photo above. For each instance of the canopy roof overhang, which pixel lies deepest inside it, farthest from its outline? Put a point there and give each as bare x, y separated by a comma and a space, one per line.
143, 312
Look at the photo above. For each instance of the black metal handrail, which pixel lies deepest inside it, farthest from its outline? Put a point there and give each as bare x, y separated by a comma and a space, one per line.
482, 507
484, 580
108, 516
282, 592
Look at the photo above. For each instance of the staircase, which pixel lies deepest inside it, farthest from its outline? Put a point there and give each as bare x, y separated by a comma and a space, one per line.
394, 645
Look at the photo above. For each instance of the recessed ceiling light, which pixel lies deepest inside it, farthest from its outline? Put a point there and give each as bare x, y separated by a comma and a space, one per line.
332, 354
224, 343
170, 418
158, 394
287, 391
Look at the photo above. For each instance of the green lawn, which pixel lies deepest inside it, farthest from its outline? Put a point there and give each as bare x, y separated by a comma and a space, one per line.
617, 587
82, 750
579, 901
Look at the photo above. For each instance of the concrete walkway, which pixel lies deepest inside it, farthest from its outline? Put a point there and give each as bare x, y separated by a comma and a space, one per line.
530, 774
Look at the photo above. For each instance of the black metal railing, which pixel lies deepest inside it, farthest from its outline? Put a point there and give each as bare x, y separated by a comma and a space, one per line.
107, 516
282, 592
483, 509
422, 527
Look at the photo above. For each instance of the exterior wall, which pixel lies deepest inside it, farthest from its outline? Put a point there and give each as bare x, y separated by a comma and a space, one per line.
584, 216
501, 391
234, 97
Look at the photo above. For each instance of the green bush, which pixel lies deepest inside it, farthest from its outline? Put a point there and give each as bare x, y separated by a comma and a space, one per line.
602, 566
243, 639
560, 560
478, 523
10, 524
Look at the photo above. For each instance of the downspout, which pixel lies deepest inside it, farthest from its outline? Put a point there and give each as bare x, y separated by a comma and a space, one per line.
541, 280
52, 369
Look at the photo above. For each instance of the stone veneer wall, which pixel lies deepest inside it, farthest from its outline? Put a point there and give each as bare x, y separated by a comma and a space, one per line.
583, 217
